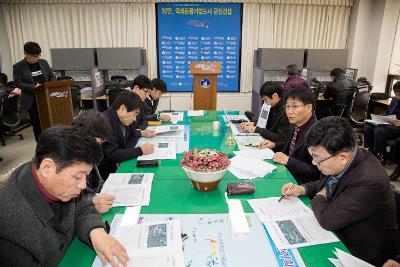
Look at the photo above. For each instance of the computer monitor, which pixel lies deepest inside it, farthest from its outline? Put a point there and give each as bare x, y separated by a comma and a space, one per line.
128, 58
72, 58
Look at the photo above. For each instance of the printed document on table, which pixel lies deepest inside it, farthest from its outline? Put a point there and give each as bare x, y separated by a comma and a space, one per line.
345, 259
168, 130
151, 244
175, 116
195, 113
243, 140
181, 141
256, 153
290, 223
378, 119
129, 189
162, 150
249, 168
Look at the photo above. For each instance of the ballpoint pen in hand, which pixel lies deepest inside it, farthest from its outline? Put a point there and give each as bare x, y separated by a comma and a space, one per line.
251, 145
284, 194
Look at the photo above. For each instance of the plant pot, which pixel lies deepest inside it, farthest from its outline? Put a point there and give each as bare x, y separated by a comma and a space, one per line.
205, 181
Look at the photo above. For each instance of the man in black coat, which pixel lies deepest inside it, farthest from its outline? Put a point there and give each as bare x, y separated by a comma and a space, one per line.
30, 73
353, 198
121, 146
341, 91
293, 153
151, 102
42, 208
277, 127
375, 137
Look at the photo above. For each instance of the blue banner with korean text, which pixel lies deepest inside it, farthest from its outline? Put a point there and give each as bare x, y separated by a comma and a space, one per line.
198, 32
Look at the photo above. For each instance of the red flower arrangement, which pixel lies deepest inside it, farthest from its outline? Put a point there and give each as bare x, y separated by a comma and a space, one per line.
205, 160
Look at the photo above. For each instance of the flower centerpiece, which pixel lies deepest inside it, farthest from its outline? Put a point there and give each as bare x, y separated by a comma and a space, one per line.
205, 167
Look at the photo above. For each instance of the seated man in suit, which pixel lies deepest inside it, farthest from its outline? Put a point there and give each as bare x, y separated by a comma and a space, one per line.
293, 153
151, 102
142, 86
92, 123
29, 74
353, 198
42, 208
375, 137
341, 91
277, 128
121, 146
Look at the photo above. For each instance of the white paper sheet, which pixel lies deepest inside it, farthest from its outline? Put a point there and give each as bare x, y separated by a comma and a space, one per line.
290, 224
242, 141
151, 244
263, 118
162, 150
131, 216
378, 119
237, 216
256, 153
129, 189
249, 168
175, 116
166, 129
195, 113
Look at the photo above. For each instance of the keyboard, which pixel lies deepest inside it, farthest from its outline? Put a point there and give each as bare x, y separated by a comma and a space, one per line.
235, 118
242, 140
236, 130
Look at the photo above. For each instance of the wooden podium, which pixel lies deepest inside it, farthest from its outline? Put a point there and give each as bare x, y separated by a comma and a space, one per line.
205, 84
54, 103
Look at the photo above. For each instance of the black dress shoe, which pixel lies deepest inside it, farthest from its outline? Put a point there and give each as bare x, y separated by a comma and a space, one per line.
381, 158
395, 174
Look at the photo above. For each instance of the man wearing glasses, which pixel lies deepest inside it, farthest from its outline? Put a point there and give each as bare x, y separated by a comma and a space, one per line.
293, 153
30, 73
142, 86
353, 198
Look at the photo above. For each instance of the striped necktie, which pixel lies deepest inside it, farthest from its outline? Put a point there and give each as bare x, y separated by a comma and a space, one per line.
293, 141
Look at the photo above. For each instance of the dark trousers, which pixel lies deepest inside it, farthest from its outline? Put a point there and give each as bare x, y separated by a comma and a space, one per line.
375, 137
35, 121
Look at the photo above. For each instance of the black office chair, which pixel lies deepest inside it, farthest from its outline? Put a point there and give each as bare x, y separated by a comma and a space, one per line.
120, 79
9, 116
359, 113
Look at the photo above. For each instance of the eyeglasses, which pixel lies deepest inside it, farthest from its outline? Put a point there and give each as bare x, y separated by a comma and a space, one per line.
293, 107
33, 56
147, 91
320, 161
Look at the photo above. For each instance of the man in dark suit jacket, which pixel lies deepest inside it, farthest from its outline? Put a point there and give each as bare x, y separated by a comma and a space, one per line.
121, 146
151, 102
353, 198
293, 153
42, 208
375, 137
341, 91
277, 127
30, 73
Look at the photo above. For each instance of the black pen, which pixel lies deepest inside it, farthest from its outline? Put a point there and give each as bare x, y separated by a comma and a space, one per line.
107, 227
280, 199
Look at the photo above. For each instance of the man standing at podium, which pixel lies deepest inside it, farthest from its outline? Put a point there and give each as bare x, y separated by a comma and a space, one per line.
30, 73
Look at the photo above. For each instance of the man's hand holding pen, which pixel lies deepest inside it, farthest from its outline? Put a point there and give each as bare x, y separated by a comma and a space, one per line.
291, 189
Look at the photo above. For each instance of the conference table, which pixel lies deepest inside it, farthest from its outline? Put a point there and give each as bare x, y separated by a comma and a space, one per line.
172, 192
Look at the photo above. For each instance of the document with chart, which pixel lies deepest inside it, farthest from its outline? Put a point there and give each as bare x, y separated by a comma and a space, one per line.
162, 150
129, 189
168, 130
151, 244
290, 223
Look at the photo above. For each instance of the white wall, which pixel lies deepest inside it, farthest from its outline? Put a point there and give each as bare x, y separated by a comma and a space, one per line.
371, 37
395, 61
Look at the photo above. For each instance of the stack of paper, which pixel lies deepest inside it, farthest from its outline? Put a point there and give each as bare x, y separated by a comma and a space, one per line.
378, 119
168, 130
195, 113
249, 168
151, 244
290, 223
162, 150
346, 260
129, 189
175, 116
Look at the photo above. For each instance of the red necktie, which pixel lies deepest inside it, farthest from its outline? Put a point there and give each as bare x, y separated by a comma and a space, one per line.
293, 141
